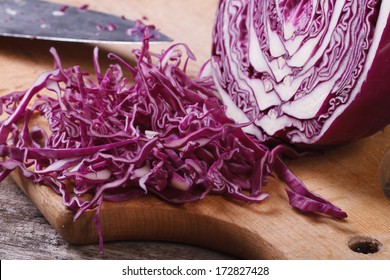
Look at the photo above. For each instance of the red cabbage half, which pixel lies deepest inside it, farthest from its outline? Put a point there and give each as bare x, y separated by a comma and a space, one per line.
313, 73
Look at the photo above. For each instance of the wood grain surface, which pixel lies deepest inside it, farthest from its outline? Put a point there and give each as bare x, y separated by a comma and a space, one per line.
347, 176
26, 235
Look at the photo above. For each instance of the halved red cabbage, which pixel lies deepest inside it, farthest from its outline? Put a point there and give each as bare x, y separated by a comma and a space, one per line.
313, 73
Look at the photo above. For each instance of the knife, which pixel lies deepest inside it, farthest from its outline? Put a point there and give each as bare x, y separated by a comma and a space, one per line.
59, 22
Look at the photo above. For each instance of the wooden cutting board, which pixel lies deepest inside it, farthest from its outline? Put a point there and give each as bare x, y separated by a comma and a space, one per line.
347, 176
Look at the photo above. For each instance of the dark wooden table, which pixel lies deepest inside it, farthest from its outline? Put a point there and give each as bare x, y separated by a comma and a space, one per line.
25, 234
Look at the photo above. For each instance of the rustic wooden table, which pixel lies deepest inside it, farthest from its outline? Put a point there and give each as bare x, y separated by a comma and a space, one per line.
25, 234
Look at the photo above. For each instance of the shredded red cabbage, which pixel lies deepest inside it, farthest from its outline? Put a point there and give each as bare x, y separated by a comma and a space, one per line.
139, 29
108, 27
63, 8
84, 7
117, 138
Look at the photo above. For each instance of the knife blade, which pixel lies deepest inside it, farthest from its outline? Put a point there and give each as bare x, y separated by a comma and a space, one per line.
59, 22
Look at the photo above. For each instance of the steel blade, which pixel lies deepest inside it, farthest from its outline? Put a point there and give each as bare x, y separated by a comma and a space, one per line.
59, 22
